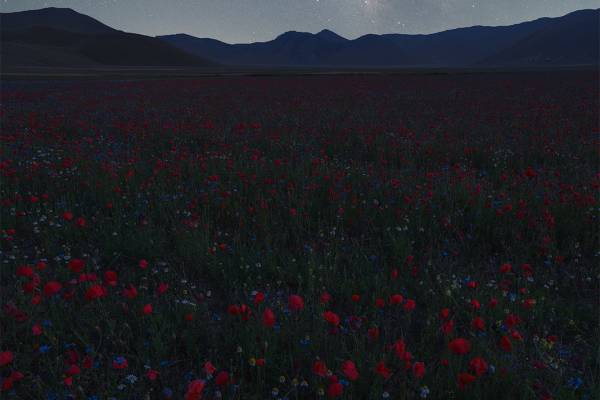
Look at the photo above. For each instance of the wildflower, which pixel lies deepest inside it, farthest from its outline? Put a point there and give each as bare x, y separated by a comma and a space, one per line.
505, 344
119, 362
382, 370
505, 268
419, 369
325, 298
478, 324
319, 368
147, 309
95, 292
331, 317
349, 370
334, 390
478, 366
460, 346
259, 297
295, 303
162, 288
51, 288
110, 278
409, 305
399, 348
448, 327
76, 265
194, 390
464, 379
444, 313
222, 378
575, 383
36, 330
268, 318
424, 392
209, 368
152, 374
6, 357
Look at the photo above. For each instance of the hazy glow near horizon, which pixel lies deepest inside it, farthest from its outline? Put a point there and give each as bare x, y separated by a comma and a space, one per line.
237, 21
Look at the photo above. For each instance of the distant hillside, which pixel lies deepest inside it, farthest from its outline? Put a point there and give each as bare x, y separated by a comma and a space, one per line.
568, 40
52, 17
562, 41
63, 37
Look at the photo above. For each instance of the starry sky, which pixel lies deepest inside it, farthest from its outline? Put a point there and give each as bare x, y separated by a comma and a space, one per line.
243, 21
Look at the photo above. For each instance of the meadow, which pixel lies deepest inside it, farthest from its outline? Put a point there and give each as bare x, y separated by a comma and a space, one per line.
357, 237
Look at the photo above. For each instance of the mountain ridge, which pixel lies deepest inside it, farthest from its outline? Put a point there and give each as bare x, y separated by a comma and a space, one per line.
465, 46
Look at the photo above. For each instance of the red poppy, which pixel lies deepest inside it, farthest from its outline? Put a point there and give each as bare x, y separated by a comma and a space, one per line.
355, 298
505, 344
76, 265
130, 292
143, 264
25, 271
334, 390
331, 318
222, 378
152, 374
464, 379
448, 327
295, 303
505, 268
396, 299
147, 310
209, 368
382, 370
325, 298
37, 330
349, 370
379, 302
6, 357
399, 348
460, 346
478, 324
410, 305
419, 370
445, 313
51, 288
95, 292
478, 366
319, 368
268, 318
194, 390
259, 297
110, 278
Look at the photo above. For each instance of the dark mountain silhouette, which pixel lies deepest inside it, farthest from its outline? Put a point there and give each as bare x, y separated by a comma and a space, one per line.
52, 17
63, 37
568, 40
572, 40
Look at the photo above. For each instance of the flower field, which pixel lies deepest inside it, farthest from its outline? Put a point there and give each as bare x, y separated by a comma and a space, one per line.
354, 237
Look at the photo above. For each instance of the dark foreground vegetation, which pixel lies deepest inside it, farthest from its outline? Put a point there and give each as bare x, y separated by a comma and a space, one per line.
363, 237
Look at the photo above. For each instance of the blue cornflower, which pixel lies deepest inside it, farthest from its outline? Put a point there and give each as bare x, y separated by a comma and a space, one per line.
576, 382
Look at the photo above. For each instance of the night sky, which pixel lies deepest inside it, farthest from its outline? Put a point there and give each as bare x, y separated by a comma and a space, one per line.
241, 21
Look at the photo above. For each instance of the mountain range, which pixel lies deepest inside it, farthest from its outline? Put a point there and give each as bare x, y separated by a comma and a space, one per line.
63, 37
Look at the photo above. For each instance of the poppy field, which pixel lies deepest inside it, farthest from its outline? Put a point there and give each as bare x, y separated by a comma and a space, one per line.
355, 237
